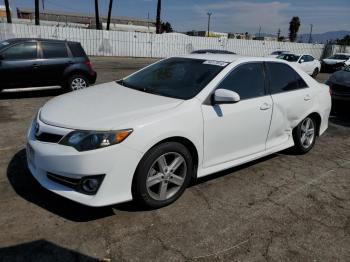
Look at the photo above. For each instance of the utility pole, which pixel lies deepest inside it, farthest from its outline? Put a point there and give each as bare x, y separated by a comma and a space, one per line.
159, 7
97, 16
8, 12
109, 13
310, 36
37, 14
278, 34
209, 15
259, 31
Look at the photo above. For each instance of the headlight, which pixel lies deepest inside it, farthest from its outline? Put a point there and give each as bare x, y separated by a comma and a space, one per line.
90, 140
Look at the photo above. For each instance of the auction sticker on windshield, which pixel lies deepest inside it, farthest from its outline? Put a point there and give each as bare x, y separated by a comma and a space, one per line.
217, 63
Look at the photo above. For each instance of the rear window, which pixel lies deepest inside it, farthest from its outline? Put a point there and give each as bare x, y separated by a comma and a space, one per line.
77, 50
54, 50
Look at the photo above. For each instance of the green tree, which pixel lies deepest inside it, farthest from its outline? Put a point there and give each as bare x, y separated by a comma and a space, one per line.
294, 28
167, 28
344, 41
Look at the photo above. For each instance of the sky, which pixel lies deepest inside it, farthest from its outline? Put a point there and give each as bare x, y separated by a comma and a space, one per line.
227, 15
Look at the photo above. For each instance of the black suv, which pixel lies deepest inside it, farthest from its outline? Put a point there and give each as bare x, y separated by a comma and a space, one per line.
44, 62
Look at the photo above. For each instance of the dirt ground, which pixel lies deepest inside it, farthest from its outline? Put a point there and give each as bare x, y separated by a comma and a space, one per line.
284, 207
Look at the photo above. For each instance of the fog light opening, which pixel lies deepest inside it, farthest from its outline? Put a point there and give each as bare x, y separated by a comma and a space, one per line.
90, 185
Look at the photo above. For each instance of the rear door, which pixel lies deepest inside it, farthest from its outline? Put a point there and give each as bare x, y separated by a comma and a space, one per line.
291, 100
19, 66
55, 59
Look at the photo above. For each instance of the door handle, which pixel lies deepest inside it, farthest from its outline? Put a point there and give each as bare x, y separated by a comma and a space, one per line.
265, 106
307, 98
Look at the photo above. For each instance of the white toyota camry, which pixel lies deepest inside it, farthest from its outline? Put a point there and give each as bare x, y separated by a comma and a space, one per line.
146, 136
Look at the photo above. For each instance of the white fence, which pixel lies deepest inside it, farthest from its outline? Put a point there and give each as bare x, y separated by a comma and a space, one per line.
132, 44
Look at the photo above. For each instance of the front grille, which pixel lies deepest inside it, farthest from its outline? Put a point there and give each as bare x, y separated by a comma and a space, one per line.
340, 89
66, 181
50, 138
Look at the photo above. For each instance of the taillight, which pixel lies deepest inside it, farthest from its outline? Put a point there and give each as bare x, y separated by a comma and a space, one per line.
89, 64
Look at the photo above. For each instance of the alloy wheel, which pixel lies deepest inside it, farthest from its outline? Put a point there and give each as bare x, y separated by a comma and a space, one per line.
166, 176
78, 83
307, 134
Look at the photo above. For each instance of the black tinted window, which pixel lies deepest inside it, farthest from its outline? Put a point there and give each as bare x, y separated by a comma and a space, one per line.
310, 58
283, 78
23, 51
54, 50
247, 80
175, 77
77, 50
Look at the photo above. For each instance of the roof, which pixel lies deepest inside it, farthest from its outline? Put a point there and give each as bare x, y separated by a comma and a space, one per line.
61, 13
230, 58
17, 40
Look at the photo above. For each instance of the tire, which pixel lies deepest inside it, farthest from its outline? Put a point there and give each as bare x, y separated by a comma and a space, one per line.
77, 82
315, 73
154, 184
304, 135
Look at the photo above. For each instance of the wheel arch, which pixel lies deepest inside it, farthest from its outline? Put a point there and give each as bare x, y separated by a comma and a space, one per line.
317, 117
184, 141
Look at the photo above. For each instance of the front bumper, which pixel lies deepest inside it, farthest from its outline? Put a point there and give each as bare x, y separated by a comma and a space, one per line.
117, 163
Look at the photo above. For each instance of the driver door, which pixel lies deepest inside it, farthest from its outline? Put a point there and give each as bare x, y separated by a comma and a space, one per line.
233, 131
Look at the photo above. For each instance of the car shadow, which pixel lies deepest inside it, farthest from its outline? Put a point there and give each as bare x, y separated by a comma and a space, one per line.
28, 188
341, 116
30, 94
41, 250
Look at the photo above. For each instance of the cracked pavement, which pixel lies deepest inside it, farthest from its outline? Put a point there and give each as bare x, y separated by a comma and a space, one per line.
283, 207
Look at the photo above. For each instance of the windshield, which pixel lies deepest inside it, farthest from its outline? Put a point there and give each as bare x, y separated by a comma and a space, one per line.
181, 78
340, 57
278, 52
289, 57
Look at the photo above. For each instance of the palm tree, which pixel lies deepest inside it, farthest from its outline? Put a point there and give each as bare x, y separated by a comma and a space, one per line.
158, 24
8, 12
97, 16
294, 28
37, 15
109, 13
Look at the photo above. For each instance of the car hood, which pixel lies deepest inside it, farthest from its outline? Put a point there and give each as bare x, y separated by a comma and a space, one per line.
103, 107
332, 61
341, 77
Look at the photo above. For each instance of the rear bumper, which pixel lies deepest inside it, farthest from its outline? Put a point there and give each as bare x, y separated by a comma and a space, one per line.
92, 77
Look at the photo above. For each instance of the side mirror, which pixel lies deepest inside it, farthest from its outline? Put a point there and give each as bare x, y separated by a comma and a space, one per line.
224, 96
301, 61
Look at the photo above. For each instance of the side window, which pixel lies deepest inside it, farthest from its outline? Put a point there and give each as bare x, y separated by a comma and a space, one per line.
304, 57
77, 50
283, 78
23, 51
54, 50
247, 80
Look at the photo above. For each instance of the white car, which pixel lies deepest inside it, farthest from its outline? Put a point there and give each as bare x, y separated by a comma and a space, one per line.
306, 62
335, 62
144, 137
